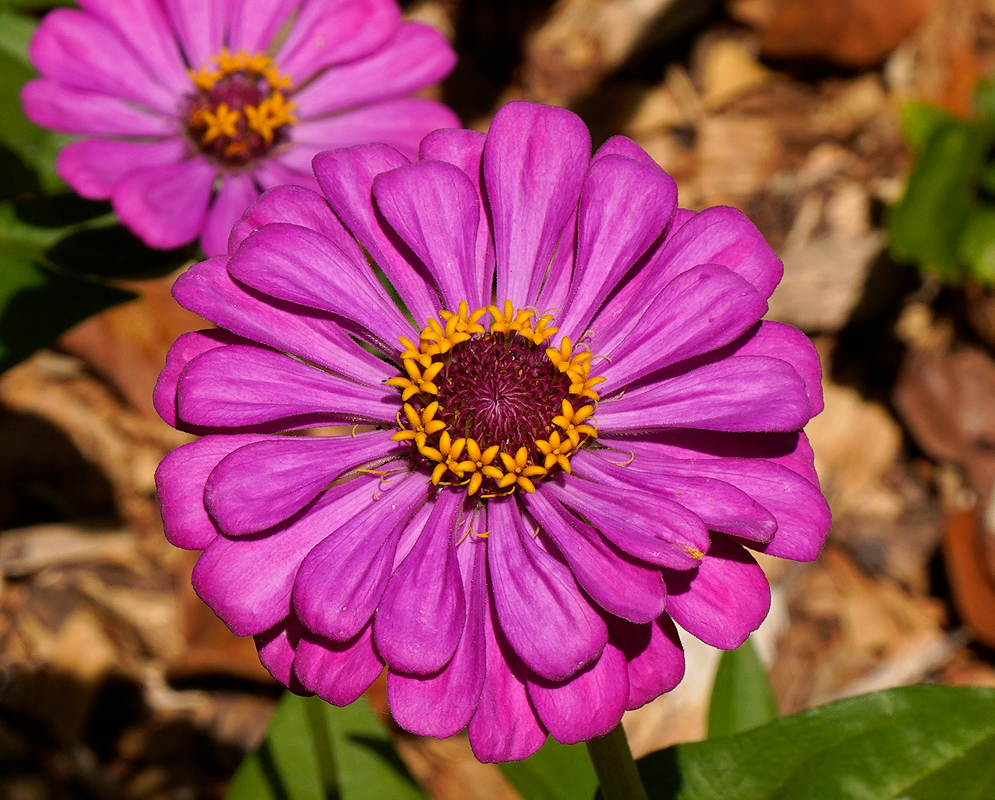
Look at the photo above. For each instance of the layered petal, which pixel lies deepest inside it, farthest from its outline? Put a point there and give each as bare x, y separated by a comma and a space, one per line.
546, 619
415, 57
166, 204
180, 481
742, 393
441, 704
422, 613
234, 196
654, 658
535, 161
200, 26
722, 601
262, 484
242, 386
342, 580
93, 167
338, 672
277, 649
72, 110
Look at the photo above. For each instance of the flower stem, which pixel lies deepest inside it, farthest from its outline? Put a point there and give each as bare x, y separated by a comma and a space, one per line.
324, 752
615, 767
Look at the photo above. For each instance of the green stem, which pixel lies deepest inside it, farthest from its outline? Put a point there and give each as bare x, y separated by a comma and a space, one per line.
615, 767
317, 721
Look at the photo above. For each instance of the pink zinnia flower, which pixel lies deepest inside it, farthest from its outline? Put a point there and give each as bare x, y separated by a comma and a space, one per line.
577, 446
190, 108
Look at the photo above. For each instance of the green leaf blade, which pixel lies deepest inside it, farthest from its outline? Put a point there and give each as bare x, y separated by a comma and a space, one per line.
555, 772
742, 697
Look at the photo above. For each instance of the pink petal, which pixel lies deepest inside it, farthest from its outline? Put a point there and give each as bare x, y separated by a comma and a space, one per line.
626, 589
338, 672
741, 393
299, 265
252, 24
400, 123
328, 32
435, 209
654, 656
724, 600
165, 205
292, 204
70, 110
535, 161
422, 612
441, 705
414, 58
504, 726
277, 648
342, 581
263, 484
699, 311
236, 193
588, 705
93, 167
200, 26
624, 207
142, 24
81, 51
207, 289
180, 481
346, 178
546, 619
249, 599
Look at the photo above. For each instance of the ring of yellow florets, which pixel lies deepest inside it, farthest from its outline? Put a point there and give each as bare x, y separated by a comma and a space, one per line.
548, 394
238, 111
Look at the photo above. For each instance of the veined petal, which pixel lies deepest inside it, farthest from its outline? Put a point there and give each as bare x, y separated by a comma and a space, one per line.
338, 672
416, 56
329, 32
465, 150
741, 393
625, 206
588, 705
699, 311
93, 167
200, 26
654, 658
342, 581
535, 160
252, 24
399, 123
422, 612
208, 290
504, 726
346, 178
249, 599
277, 648
234, 196
435, 209
180, 481
166, 204
299, 265
615, 582
82, 51
187, 347
240, 385
441, 705
264, 483
543, 614
71, 110
295, 205
722, 601
641, 524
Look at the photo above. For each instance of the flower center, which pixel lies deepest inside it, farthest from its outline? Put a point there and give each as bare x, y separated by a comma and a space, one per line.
492, 409
238, 112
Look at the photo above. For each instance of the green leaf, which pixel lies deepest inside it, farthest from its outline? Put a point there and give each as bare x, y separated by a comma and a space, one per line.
16, 31
927, 223
920, 120
914, 743
38, 304
977, 245
285, 767
556, 772
742, 697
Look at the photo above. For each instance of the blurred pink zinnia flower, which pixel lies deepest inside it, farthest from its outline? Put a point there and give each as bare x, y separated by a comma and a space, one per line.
190, 108
537, 496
